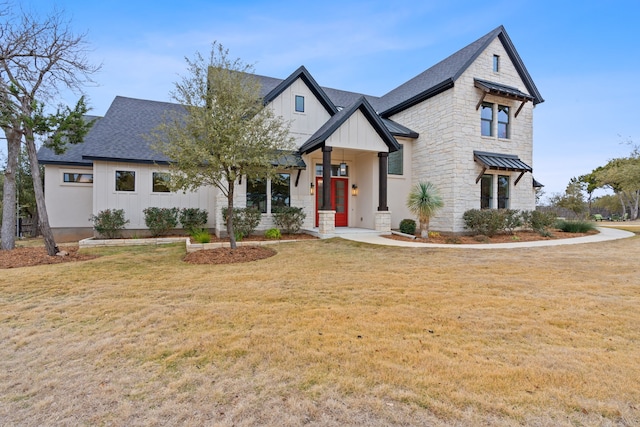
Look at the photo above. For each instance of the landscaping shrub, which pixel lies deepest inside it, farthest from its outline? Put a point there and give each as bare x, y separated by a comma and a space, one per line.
288, 218
109, 223
512, 220
575, 226
539, 221
408, 226
487, 222
245, 221
200, 235
273, 234
160, 221
193, 219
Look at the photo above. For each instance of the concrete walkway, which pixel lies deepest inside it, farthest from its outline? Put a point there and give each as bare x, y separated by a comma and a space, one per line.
376, 239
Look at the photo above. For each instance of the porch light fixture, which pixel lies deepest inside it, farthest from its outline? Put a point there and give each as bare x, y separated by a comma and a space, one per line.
343, 169
354, 190
312, 190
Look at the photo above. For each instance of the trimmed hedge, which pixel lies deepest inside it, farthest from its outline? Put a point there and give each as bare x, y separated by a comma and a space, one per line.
160, 221
288, 218
109, 223
408, 226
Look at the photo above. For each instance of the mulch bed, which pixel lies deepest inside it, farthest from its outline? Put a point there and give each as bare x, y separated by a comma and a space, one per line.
229, 256
520, 236
27, 257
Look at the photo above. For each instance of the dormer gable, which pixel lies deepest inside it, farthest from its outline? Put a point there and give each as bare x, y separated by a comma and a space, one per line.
303, 74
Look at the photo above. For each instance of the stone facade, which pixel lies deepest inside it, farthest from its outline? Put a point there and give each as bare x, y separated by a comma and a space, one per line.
449, 128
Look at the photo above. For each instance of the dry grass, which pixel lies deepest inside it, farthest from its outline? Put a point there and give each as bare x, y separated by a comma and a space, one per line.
326, 333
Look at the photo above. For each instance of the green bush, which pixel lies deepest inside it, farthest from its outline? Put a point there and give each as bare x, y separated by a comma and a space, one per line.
288, 218
273, 234
539, 221
575, 226
245, 221
193, 218
160, 221
408, 226
512, 220
487, 222
200, 235
109, 223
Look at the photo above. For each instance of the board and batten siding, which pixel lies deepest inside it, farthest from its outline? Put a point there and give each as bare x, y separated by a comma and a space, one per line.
133, 203
304, 124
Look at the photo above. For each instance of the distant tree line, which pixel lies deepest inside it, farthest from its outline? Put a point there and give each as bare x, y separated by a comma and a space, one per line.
620, 175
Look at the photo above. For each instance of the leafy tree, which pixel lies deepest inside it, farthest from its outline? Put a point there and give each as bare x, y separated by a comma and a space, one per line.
226, 131
573, 198
622, 175
38, 57
424, 201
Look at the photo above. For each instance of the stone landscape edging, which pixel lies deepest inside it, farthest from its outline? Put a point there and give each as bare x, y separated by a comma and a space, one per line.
191, 247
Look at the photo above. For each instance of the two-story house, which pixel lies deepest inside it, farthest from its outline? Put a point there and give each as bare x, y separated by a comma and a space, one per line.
465, 124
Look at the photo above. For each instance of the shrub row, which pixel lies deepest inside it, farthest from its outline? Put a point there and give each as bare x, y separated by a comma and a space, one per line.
110, 222
489, 222
160, 221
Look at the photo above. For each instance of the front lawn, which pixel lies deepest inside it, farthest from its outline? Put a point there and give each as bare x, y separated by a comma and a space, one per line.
326, 332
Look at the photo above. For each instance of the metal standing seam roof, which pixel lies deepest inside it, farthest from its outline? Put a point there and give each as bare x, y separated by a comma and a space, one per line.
501, 89
290, 160
497, 161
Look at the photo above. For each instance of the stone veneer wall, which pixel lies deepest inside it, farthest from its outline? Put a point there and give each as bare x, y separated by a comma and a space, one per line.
449, 128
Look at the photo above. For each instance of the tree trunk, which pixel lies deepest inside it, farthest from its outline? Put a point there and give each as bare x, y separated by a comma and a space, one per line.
230, 230
424, 228
9, 197
38, 189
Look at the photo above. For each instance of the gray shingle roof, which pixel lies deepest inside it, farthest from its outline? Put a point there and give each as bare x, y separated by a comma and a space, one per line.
73, 152
443, 75
120, 135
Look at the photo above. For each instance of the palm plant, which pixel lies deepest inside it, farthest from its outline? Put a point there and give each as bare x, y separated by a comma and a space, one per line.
424, 201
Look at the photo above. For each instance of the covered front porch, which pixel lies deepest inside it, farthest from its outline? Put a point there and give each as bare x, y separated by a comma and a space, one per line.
348, 179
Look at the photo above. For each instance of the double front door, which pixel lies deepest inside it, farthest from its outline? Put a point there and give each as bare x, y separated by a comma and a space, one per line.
339, 199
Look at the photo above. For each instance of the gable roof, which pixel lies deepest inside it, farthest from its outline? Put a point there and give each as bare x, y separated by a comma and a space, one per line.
72, 155
443, 75
119, 136
302, 73
320, 136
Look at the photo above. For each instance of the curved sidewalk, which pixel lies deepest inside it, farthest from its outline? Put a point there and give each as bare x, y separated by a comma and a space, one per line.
604, 235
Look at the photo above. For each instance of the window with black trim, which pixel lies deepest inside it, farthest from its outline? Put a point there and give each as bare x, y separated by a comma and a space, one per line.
161, 182
125, 181
257, 194
496, 63
503, 192
280, 191
299, 103
396, 162
503, 122
486, 119
77, 178
486, 191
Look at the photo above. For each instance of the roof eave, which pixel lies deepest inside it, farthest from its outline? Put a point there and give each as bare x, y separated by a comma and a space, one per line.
422, 96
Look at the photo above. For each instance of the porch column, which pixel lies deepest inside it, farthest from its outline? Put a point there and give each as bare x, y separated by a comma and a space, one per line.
382, 184
326, 217
326, 178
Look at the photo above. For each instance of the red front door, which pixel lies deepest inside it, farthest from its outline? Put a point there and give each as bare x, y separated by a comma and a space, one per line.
339, 200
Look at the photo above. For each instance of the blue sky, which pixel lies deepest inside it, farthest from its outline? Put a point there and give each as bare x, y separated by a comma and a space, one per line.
583, 56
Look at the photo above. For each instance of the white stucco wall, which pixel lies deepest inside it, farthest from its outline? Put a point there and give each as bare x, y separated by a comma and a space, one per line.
68, 204
398, 186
